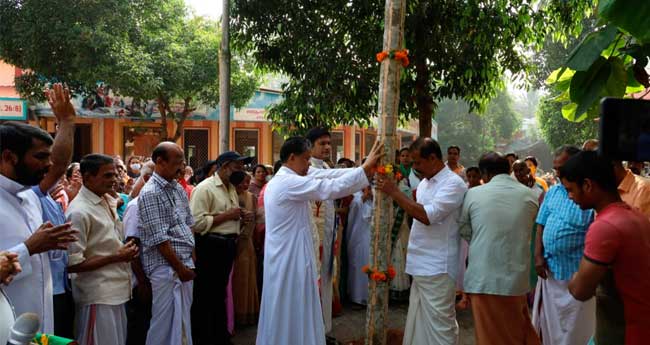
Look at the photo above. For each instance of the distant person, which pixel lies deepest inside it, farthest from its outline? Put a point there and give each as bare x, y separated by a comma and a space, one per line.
473, 177
532, 164
259, 180
591, 145
512, 157
616, 262
453, 161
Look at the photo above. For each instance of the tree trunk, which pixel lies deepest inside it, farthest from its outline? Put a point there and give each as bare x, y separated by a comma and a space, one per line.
388, 110
424, 100
224, 80
180, 124
162, 108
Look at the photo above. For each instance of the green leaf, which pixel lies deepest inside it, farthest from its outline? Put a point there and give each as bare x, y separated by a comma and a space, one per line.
561, 81
584, 55
587, 86
617, 81
633, 86
630, 15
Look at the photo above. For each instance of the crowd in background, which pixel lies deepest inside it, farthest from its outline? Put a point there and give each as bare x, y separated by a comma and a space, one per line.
152, 252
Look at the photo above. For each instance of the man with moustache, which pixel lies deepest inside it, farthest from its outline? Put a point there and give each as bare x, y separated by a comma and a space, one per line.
215, 207
167, 242
28, 156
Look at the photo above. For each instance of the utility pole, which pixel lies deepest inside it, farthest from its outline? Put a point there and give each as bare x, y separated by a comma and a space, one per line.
224, 80
388, 111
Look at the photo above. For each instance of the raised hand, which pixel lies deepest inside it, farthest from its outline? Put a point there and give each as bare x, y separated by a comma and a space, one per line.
59, 98
49, 237
376, 153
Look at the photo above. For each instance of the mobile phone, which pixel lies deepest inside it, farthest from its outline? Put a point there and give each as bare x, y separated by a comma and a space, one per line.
625, 129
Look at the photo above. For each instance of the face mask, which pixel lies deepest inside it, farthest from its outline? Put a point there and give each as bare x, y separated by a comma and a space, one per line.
136, 166
237, 177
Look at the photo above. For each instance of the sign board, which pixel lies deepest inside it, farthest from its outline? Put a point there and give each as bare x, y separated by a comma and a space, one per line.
13, 109
250, 114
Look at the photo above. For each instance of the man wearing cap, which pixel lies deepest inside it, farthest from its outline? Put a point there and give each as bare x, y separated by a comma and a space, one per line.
215, 207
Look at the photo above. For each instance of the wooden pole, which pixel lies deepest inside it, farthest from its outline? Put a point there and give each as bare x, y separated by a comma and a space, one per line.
224, 80
388, 110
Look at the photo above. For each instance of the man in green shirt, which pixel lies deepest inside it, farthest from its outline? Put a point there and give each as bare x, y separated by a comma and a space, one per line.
496, 219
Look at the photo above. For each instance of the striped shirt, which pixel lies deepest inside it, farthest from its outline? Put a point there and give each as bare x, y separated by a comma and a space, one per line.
164, 214
565, 228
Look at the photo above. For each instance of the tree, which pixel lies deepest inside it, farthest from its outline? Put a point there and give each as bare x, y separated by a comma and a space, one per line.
556, 130
458, 49
145, 49
477, 134
609, 62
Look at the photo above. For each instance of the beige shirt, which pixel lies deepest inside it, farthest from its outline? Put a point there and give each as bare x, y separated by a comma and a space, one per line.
635, 191
100, 234
209, 199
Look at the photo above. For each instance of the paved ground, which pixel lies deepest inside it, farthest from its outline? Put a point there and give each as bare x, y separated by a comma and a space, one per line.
351, 326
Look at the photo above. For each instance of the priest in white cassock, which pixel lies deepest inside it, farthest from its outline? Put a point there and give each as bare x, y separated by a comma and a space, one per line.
324, 225
291, 309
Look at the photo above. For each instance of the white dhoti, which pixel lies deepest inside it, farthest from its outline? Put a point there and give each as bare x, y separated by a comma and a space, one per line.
431, 316
101, 324
559, 318
171, 304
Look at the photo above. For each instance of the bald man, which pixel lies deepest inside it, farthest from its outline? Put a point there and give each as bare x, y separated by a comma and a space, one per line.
167, 246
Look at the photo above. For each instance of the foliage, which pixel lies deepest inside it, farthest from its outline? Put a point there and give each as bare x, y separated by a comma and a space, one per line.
609, 62
458, 49
473, 133
556, 130
146, 49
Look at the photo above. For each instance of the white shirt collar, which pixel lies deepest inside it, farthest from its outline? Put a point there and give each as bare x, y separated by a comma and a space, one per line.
439, 176
11, 186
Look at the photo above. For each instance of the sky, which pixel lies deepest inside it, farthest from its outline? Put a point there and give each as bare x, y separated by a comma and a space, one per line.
209, 8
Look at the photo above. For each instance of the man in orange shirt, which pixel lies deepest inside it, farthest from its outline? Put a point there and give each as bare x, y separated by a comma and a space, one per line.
633, 189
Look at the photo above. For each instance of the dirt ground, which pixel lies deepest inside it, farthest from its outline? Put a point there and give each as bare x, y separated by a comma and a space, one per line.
352, 324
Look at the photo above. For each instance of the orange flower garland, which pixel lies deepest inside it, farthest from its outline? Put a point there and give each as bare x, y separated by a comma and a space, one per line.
398, 55
378, 276
388, 170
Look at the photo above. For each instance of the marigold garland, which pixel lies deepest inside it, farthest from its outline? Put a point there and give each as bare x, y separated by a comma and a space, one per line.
398, 55
379, 276
388, 170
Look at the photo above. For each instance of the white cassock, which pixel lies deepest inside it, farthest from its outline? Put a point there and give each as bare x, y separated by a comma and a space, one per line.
358, 240
291, 310
31, 290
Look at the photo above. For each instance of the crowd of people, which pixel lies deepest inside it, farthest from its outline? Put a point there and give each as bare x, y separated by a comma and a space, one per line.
152, 252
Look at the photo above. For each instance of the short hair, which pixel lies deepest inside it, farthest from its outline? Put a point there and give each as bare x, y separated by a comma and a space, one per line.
160, 151
570, 150
453, 147
276, 166
589, 165
494, 163
426, 147
18, 137
70, 170
259, 166
93, 162
316, 133
512, 154
403, 149
294, 145
532, 160
346, 161
474, 169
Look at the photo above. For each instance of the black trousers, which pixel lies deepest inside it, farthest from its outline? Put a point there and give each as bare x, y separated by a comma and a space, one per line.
214, 259
138, 313
64, 315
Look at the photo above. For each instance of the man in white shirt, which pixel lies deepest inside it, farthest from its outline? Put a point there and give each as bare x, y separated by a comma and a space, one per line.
432, 255
101, 283
291, 310
28, 155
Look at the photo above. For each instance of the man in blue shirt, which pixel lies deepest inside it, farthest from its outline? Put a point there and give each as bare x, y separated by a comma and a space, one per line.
561, 230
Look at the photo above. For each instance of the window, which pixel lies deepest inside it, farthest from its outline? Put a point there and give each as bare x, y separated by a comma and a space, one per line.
338, 150
247, 142
277, 140
196, 145
357, 147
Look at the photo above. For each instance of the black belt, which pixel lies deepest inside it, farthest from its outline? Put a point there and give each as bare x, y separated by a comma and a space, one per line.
221, 236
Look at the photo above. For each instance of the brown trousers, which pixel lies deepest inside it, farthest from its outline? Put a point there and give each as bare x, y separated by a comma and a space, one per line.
502, 320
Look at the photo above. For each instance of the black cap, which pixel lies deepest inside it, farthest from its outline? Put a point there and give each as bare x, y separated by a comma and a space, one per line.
232, 156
